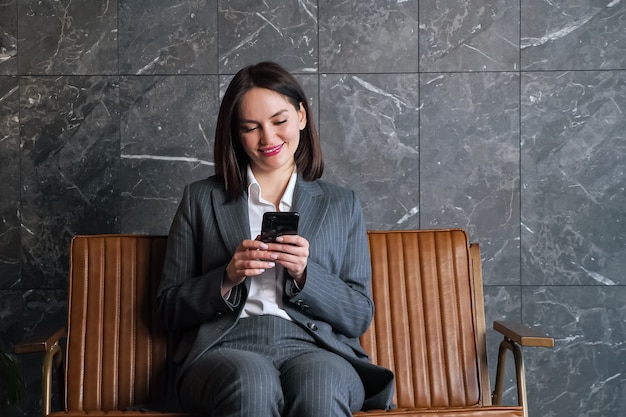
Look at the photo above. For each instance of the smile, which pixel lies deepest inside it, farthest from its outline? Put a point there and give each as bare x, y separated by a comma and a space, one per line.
273, 150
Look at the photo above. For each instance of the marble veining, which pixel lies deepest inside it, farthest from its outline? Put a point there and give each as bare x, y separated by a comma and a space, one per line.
64, 37
70, 181
165, 144
10, 248
368, 36
370, 141
573, 170
8, 37
168, 37
579, 34
475, 35
270, 30
472, 180
589, 349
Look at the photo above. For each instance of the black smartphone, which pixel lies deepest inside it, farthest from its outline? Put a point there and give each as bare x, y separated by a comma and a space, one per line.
277, 224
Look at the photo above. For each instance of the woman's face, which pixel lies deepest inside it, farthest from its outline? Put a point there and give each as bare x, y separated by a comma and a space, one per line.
270, 130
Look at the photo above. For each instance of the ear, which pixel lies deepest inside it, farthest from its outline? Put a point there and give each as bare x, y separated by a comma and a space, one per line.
302, 120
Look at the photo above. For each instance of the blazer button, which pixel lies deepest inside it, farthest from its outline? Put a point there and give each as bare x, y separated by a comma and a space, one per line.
219, 314
311, 326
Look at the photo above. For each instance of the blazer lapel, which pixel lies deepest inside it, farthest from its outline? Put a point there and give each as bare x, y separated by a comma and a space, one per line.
232, 219
312, 204
234, 225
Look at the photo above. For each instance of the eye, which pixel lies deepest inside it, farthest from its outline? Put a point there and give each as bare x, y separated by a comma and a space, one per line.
280, 122
246, 129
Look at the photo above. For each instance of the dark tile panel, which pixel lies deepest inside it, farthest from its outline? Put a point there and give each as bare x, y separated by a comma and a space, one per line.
70, 169
573, 35
8, 37
369, 133
584, 373
469, 35
167, 137
573, 174
469, 175
274, 30
67, 37
168, 37
368, 36
10, 248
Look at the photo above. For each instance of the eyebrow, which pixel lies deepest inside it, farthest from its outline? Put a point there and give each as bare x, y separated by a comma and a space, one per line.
278, 113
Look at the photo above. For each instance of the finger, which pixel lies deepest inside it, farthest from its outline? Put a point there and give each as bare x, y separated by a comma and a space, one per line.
294, 240
252, 245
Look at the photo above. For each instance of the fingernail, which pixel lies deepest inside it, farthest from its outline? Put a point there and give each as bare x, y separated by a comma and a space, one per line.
272, 264
264, 246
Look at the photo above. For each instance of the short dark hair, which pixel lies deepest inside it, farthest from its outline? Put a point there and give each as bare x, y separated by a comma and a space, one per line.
231, 159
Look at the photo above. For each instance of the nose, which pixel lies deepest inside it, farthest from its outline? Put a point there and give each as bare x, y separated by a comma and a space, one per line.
267, 135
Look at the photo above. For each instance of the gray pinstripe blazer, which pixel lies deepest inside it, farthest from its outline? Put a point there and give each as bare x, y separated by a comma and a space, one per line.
335, 305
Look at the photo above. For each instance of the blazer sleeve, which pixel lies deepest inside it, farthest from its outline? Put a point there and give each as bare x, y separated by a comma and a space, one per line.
338, 284
187, 297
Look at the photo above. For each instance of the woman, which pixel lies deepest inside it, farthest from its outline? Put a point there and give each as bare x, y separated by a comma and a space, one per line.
270, 329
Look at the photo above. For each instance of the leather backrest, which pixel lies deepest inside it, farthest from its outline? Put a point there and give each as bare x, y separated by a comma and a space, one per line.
425, 327
115, 347
428, 326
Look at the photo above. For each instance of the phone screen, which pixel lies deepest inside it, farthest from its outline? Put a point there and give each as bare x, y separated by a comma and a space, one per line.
277, 224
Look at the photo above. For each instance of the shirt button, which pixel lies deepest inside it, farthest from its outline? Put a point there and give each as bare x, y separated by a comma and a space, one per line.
311, 326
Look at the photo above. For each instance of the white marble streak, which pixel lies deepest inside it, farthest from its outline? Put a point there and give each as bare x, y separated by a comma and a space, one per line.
557, 34
598, 277
408, 215
168, 158
399, 103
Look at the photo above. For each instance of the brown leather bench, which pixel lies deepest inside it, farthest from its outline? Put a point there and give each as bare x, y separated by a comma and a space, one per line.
429, 328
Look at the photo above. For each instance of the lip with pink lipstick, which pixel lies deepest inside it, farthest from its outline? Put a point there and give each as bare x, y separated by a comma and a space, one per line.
273, 150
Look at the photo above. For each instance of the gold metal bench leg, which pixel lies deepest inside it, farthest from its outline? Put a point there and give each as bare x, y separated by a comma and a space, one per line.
51, 358
506, 345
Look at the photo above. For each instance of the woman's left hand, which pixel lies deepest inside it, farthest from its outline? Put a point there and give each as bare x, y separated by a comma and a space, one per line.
293, 255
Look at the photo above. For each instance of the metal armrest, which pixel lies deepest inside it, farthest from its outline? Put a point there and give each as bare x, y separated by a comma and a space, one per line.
516, 335
47, 342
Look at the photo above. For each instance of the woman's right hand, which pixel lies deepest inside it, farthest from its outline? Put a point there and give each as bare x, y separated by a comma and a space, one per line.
250, 259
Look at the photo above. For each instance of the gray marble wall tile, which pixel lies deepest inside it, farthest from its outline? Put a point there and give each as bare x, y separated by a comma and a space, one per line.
368, 36
273, 30
69, 167
65, 37
10, 248
168, 37
469, 175
584, 374
167, 133
8, 37
469, 35
369, 133
573, 160
578, 34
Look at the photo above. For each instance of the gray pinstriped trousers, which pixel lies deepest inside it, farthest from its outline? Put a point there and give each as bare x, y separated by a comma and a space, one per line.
269, 367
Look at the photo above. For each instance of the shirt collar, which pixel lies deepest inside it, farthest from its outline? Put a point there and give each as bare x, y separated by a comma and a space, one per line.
286, 201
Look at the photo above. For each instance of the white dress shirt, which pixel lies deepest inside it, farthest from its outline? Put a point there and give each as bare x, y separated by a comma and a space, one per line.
266, 290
